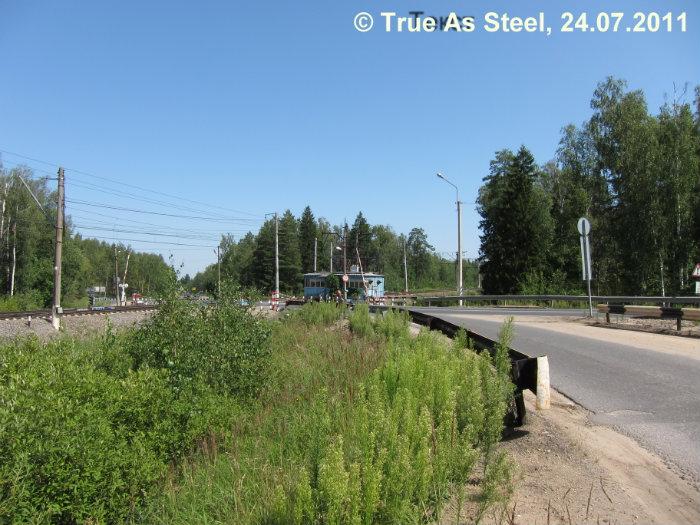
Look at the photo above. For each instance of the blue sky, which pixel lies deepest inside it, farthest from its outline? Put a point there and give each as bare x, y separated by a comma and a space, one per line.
262, 106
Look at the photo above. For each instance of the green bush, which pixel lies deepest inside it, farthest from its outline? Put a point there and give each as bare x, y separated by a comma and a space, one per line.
392, 324
22, 302
89, 429
360, 321
320, 314
222, 346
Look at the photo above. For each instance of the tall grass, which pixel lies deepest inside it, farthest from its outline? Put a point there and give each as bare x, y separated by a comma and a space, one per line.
375, 428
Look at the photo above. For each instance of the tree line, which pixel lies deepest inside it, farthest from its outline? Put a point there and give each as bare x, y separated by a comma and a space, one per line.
250, 260
27, 237
633, 174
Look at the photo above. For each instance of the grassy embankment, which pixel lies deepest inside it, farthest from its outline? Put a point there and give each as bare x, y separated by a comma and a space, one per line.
206, 416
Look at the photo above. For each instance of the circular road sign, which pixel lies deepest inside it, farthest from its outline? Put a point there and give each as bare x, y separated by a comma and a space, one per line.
584, 226
346, 278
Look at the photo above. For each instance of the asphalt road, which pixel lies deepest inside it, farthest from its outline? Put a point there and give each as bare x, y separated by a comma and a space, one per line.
651, 396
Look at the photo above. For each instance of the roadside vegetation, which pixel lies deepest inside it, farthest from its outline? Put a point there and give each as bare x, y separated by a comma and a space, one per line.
212, 415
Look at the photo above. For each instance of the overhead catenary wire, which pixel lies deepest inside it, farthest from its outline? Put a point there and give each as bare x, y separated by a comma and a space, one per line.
122, 184
163, 214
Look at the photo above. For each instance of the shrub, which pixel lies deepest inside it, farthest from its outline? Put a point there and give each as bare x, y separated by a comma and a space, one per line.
360, 321
78, 444
88, 429
392, 324
319, 314
22, 302
222, 346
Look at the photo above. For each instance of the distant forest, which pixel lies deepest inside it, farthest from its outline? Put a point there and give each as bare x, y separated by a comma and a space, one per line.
27, 234
250, 261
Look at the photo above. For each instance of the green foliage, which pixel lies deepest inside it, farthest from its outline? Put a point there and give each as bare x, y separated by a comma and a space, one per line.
392, 324
634, 175
320, 314
352, 430
361, 321
22, 302
250, 261
89, 428
27, 258
222, 347
516, 225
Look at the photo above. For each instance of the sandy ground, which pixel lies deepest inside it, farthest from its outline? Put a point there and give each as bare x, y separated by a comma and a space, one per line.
569, 470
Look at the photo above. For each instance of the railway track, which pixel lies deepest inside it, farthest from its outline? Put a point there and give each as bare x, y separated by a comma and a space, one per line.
46, 313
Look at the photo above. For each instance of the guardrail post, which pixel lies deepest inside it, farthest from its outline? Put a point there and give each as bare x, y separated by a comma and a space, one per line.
543, 394
678, 322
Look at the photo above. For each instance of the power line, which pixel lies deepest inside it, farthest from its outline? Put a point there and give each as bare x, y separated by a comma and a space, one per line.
142, 232
116, 219
121, 183
116, 241
163, 214
132, 196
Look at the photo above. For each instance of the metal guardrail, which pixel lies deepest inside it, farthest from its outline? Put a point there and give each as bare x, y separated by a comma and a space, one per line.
653, 312
524, 369
617, 299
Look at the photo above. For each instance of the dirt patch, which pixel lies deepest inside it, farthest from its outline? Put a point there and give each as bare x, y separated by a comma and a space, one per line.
569, 470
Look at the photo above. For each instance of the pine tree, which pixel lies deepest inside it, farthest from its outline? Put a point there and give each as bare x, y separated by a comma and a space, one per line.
516, 225
290, 256
360, 240
307, 235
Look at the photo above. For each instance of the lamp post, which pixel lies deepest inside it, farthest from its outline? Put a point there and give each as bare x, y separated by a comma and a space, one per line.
459, 237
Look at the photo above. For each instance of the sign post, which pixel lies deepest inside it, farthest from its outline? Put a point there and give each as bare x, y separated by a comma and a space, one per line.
584, 228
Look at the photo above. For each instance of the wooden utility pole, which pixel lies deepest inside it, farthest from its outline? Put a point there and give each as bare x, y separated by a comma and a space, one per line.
56, 309
116, 275
345, 259
218, 270
123, 283
405, 267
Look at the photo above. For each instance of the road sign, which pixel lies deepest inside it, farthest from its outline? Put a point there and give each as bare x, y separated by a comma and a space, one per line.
584, 226
696, 272
346, 278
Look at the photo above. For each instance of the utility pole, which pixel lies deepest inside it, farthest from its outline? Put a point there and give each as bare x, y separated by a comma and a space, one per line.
315, 252
332, 248
123, 284
218, 270
459, 249
345, 260
405, 267
459, 238
277, 260
116, 275
56, 309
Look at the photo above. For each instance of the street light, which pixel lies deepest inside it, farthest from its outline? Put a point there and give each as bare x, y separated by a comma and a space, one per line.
459, 236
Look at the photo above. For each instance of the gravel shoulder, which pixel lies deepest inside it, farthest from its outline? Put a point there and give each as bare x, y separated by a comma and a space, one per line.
72, 325
570, 470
